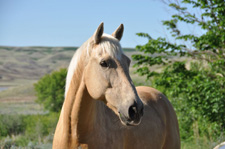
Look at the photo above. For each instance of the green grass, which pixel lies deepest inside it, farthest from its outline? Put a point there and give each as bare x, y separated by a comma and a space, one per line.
22, 90
6, 48
139, 80
70, 48
27, 131
129, 50
25, 108
201, 143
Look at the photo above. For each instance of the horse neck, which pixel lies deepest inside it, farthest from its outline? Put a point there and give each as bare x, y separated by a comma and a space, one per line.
77, 115
82, 114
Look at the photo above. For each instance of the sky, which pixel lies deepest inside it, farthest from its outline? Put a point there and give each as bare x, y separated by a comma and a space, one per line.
72, 22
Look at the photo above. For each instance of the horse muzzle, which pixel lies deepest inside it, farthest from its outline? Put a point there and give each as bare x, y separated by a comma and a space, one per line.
133, 116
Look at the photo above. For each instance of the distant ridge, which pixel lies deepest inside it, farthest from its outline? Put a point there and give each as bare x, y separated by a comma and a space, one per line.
32, 62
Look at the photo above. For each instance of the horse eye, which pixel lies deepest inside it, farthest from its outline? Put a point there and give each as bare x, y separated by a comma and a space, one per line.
104, 64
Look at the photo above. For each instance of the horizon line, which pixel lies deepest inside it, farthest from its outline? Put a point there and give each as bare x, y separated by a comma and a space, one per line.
57, 46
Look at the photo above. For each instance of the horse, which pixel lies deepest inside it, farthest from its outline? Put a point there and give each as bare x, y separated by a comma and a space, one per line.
102, 107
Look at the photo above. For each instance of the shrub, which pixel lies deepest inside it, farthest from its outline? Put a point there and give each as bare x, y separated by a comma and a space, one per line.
21, 141
198, 98
38, 126
19, 130
50, 90
11, 125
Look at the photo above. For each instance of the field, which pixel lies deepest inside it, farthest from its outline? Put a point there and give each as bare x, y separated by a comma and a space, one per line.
20, 68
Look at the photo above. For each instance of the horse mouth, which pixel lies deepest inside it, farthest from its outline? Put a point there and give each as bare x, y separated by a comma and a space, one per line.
128, 122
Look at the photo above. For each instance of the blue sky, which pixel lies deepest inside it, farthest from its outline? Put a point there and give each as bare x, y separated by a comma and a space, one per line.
72, 22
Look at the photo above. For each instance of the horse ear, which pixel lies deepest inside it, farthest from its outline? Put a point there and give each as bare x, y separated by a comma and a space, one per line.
98, 33
118, 33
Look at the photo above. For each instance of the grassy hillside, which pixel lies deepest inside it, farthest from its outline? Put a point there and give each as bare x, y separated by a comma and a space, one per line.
30, 63
20, 67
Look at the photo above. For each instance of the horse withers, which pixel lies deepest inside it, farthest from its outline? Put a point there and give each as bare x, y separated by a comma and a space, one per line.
102, 107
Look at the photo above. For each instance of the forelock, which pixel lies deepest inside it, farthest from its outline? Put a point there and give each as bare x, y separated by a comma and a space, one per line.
110, 45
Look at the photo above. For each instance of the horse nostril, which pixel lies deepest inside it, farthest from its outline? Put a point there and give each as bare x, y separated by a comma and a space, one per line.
133, 113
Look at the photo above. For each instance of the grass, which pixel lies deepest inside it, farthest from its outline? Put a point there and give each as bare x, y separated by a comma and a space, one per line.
139, 80
19, 90
20, 99
30, 63
70, 48
27, 131
193, 145
25, 108
129, 50
201, 143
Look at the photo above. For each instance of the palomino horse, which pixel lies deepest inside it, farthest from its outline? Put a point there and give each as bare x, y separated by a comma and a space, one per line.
103, 109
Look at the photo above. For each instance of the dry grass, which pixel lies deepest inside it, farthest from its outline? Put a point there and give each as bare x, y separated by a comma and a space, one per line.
19, 100
30, 63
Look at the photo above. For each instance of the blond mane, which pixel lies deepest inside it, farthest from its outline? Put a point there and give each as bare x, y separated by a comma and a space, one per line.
108, 44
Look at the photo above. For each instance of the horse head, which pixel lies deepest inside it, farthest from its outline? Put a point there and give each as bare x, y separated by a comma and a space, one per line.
107, 78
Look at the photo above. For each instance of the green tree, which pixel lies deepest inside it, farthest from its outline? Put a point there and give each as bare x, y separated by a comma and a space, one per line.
210, 46
50, 90
197, 92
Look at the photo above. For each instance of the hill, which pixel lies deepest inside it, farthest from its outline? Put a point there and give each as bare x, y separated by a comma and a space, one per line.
30, 63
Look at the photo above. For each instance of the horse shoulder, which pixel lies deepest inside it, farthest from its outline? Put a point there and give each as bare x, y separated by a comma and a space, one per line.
158, 102
149, 94
154, 98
